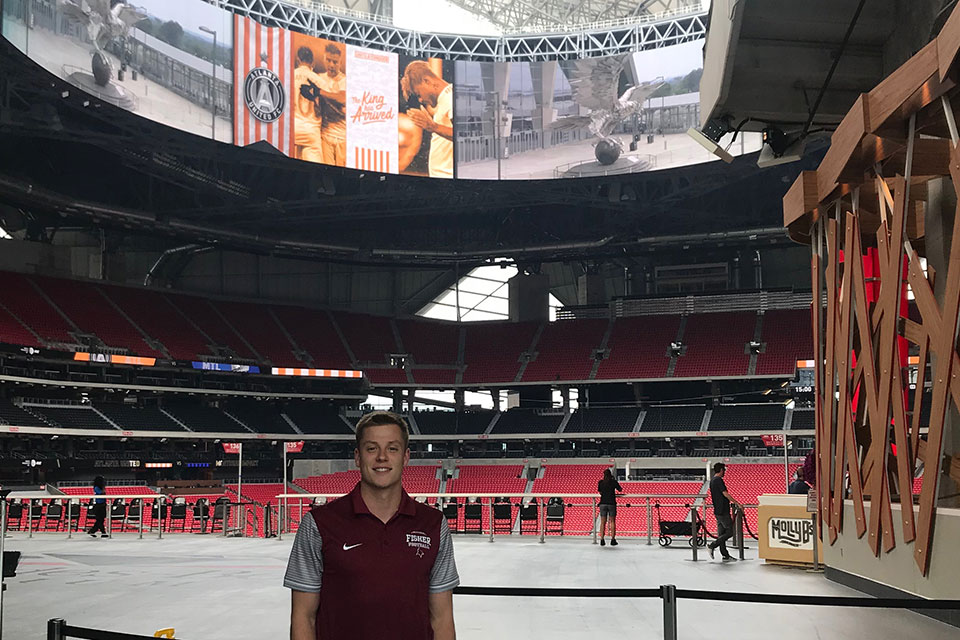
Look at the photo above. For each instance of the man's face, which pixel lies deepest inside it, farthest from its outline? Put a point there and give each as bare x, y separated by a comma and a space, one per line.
426, 94
333, 63
722, 472
381, 456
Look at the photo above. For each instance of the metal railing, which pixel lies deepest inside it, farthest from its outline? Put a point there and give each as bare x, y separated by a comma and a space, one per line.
293, 506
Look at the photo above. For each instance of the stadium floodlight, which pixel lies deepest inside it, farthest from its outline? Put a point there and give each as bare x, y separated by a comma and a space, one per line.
709, 137
779, 148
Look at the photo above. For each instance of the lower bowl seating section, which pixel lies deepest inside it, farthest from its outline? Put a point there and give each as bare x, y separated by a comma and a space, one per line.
198, 417
79, 417
528, 421
746, 482
486, 479
603, 420
421, 479
18, 416
339, 482
264, 494
565, 479
673, 418
453, 422
125, 516
748, 417
632, 512
316, 418
133, 418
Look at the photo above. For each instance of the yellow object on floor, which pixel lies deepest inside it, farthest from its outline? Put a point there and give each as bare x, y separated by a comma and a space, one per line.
164, 633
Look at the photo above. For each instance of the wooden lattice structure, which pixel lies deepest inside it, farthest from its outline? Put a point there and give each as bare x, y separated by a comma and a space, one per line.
863, 212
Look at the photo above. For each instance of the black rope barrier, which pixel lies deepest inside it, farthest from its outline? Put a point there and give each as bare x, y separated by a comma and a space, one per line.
693, 594
821, 601
57, 629
538, 592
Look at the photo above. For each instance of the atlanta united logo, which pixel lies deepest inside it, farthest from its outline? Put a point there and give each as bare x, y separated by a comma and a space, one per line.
420, 541
264, 95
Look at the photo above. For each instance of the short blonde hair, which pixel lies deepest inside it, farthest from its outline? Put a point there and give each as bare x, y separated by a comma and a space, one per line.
377, 418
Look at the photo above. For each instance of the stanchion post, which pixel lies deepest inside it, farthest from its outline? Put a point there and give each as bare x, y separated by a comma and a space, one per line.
694, 529
816, 550
593, 521
649, 523
668, 593
140, 524
109, 518
55, 629
30, 517
739, 531
69, 518
490, 516
542, 521
160, 517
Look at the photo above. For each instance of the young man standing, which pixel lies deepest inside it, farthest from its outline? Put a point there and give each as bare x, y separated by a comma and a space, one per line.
373, 564
721, 509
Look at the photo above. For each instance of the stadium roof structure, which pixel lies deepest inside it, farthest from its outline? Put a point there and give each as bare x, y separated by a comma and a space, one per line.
72, 163
528, 16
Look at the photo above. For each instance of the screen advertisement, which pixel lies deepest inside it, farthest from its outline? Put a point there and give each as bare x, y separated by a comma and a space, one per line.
191, 65
321, 101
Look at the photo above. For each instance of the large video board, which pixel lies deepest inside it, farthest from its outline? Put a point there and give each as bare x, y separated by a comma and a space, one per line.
193, 66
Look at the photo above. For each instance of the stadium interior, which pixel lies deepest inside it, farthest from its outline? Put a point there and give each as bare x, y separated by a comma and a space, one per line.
206, 322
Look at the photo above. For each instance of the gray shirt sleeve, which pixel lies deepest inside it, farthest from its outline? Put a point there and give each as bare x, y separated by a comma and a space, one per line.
444, 576
305, 567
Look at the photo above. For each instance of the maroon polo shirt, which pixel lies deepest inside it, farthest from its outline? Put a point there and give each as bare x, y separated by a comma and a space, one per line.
376, 576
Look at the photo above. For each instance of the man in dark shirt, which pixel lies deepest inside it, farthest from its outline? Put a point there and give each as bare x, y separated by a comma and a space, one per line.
799, 485
721, 509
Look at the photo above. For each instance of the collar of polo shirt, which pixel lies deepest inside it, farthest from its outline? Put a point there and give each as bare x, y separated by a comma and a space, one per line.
407, 505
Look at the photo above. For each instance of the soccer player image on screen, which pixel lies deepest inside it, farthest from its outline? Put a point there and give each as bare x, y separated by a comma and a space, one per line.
333, 102
435, 114
307, 121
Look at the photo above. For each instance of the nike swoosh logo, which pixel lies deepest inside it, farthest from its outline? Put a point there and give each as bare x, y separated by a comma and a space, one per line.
352, 546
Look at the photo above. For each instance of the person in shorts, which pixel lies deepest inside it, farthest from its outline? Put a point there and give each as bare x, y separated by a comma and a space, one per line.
608, 486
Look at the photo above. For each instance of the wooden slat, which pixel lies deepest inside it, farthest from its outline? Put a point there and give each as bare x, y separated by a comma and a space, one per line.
844, 144
891, 268
888, 97
801, 198
829, 402
948, 43
943, 345
819, 339
866, 362
846, 456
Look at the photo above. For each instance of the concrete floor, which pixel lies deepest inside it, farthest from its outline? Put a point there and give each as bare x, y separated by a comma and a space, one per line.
211, 588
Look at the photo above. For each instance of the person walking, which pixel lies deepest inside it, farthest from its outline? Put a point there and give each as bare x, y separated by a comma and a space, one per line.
721, 509
99, 509
607, 486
